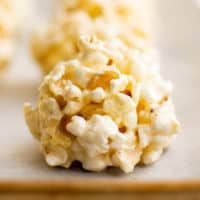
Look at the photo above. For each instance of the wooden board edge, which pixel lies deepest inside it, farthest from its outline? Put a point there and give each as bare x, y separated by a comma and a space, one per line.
98, 185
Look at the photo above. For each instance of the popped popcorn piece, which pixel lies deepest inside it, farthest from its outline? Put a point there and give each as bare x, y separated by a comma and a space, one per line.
164, 120
56, 157
77, 126
97, 95
72, 107
151, 156
130, 120
114, 105
119, 84
105, 19
72, 92
103, 115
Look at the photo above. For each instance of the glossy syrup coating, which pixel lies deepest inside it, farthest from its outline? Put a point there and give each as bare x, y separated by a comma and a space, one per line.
107, 107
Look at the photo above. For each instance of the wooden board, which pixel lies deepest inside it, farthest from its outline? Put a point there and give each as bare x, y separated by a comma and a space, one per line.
23, 172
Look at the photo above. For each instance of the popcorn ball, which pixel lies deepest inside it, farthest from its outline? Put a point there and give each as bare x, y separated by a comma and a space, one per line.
105, 19
107, 107
7, 31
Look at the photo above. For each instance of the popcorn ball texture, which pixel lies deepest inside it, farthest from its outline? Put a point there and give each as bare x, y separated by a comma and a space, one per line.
7, 31
107, 107
105, 19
